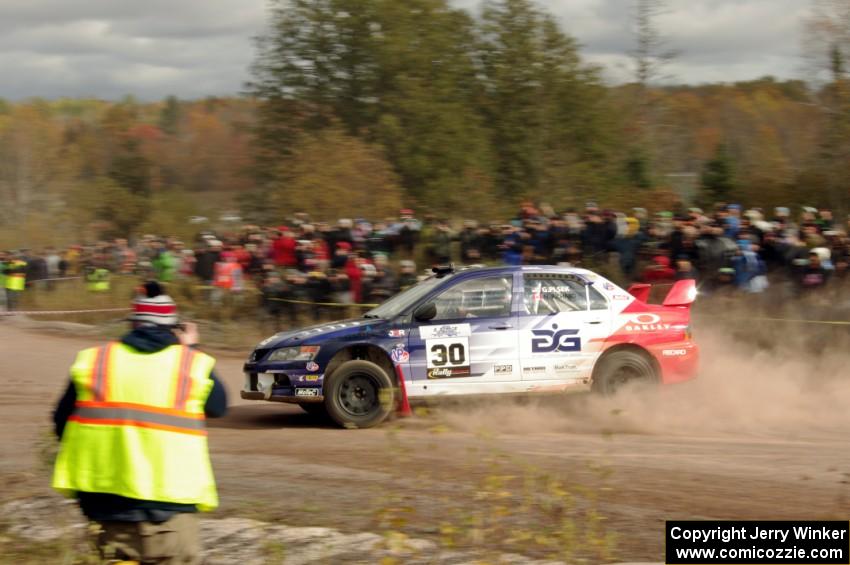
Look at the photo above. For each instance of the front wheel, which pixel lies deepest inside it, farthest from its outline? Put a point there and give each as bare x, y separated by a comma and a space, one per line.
618, 368
359, 394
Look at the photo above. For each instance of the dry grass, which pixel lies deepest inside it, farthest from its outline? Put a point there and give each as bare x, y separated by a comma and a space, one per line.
511, 508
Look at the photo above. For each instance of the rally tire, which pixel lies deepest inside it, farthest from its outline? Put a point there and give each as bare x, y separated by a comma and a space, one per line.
618, 368
359, 394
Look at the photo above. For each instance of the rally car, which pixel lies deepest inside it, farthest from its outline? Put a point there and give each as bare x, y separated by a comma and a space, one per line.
479, 331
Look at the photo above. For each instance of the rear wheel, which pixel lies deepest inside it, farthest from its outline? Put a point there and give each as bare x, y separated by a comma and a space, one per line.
619, 368
359, 394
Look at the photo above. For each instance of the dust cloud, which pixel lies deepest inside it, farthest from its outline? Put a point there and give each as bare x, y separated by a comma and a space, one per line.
769, 381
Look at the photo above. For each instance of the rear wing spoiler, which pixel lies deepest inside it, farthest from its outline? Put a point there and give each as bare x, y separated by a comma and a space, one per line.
682, 294
640, 291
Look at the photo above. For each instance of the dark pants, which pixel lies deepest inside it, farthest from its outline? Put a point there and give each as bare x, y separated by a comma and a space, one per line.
176, 540
12, 297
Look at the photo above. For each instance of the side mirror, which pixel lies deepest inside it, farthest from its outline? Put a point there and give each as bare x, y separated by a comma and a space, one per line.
425, 312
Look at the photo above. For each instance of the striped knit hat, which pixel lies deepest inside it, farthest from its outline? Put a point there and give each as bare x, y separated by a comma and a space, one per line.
152, 306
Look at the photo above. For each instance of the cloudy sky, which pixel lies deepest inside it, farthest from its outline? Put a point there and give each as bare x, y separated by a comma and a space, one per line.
194, 48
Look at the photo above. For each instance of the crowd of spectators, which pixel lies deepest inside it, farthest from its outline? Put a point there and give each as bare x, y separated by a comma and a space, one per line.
726, 248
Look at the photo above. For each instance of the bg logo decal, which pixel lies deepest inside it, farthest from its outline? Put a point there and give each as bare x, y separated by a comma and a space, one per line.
547, 341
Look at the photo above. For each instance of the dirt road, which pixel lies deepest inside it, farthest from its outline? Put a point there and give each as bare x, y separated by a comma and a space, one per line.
761, 435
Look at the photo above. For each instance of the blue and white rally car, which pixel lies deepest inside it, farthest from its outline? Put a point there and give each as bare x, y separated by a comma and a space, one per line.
479, 331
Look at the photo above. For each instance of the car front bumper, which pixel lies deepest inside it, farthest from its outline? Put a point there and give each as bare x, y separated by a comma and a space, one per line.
256, 395
280, 387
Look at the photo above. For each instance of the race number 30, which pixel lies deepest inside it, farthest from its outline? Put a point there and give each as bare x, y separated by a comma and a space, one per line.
447, 352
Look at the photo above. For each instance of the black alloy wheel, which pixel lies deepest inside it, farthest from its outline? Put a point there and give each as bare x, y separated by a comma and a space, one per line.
359, 394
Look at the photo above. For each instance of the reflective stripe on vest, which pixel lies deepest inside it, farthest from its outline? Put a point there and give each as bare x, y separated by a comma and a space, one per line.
126, 414
98, 381
184, 384
138, 429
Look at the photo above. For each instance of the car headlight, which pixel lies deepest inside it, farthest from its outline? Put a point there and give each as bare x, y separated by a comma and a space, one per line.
303, 353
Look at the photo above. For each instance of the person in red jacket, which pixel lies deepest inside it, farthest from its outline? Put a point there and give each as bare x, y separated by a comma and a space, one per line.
243, 257
659, 271
320, 250
355, 277
283, 249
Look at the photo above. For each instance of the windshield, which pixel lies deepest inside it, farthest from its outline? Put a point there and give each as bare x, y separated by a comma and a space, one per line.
401, 302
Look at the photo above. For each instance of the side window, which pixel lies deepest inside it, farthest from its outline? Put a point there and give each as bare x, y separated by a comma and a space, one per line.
544, 295
476, 298
597, 301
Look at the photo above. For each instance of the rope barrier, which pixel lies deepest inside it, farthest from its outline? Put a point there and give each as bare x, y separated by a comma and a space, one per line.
324, 303
56, 312
786, 320
291, 301
342, 304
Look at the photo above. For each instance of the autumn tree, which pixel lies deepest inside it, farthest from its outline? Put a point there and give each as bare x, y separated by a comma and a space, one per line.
827, 42
651, 56
358, 181
116, 210
30, 164
397, 72
169, 116
718, 179
542, 105
651, 53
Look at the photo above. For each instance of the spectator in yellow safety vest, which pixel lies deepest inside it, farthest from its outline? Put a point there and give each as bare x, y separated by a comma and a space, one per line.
133, 436
16, 280
97, 279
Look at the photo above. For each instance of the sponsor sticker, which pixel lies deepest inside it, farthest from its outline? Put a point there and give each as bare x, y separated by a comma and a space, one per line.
620, 296
311, 378
607, 286
558, 291
397, 333
565, 367
306, 392
447, 352
312, 367
447, 330
535, 369
548, 341
447, 372
400, 355
645, 322
674, 352
503, 369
